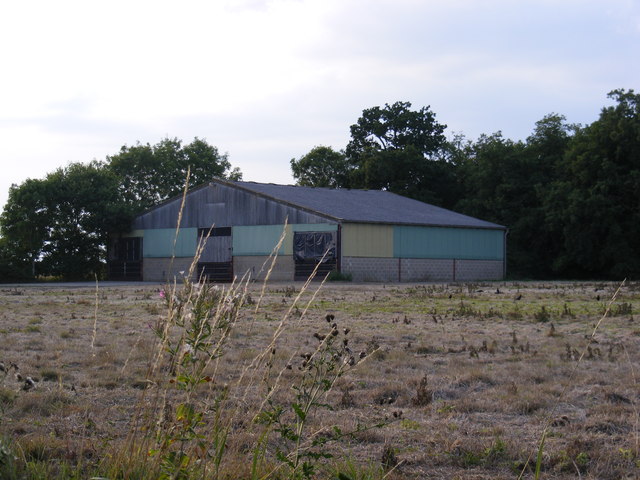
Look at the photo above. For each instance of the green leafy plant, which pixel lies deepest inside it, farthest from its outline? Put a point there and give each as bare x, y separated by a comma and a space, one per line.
193, 335
336, 276
299, 449
8, 468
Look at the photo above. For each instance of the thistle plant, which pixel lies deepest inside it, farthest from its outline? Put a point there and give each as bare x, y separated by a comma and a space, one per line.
193, 335
298, 450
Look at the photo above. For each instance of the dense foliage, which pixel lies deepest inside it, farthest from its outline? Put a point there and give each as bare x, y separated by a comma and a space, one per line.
150, 174
58, 226
569, 194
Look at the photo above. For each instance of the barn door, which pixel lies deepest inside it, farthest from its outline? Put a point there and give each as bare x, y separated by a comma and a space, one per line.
125, 259
216, 261
311, 249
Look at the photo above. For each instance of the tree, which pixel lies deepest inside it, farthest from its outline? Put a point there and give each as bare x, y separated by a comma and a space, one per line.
12, 267
596, 200
24, 225
84, 208
59, 225
401, 150
508, 182
396, 127
150, 174
321, 167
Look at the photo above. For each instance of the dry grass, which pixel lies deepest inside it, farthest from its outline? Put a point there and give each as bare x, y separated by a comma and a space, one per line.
467, 376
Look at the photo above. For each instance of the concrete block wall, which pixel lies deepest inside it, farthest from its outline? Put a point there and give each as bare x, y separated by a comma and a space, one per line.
283, 269
162, 269
426, 270
370, 269
362, 269
471, 270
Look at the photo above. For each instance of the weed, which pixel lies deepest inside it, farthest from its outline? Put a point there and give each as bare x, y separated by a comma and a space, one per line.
465, 310
7, 398
152, 309
347, 400
542, 315
566, 311
424, 396
67, 334
516, 313
42, 404
409, 424
49, 375
622, 309
336, 276
388, 458
8, 460
299, 449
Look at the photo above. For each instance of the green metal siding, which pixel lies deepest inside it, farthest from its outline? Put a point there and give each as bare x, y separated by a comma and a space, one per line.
257, 240
366, 240
442, 242
158, 242
262, 239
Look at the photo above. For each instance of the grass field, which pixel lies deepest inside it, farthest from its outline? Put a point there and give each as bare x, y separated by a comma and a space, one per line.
412, 381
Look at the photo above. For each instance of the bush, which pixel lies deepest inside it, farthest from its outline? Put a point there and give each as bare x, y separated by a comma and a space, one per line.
336, 276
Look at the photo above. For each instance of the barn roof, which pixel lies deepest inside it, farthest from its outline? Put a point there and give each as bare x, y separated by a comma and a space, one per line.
364, 206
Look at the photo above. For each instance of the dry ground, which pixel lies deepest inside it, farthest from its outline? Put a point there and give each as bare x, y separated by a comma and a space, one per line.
466, 375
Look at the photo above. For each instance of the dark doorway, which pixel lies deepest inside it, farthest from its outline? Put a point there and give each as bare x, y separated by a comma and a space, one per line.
311, 249
216, 262
125, 259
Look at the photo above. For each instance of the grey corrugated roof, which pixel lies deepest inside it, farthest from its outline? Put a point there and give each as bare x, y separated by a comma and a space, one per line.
366, 206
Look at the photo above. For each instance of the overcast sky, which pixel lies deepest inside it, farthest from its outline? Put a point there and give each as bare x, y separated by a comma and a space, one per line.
265, 81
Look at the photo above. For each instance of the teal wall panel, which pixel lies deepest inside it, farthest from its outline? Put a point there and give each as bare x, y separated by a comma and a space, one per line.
158, 242
257, 240
441, 242
262, 239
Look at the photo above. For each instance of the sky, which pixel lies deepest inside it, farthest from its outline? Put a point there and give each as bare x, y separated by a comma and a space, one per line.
267, 80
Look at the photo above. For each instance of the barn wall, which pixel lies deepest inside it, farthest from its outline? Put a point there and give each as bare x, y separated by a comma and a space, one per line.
367, 240
255, 264
471, 270
163, 269
262, 239
371, 269
223, 206
375, 269
159, 242
442, 242
426, 269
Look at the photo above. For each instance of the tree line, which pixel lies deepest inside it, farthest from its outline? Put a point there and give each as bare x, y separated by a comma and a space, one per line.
59, 226
569, 194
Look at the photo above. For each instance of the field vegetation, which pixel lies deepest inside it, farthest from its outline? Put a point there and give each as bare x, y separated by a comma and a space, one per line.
339, 380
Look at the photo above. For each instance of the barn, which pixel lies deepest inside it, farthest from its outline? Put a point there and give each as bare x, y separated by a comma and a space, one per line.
367, 235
